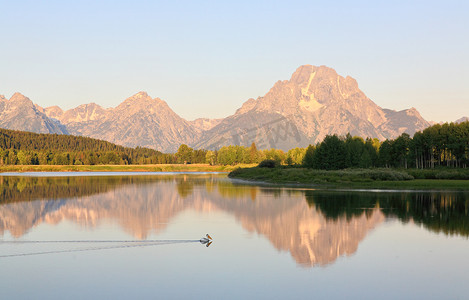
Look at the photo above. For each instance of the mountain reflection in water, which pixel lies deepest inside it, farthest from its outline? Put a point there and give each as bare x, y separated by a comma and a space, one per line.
315, 227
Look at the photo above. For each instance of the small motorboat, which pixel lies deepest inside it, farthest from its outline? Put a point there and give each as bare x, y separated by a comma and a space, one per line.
206, 239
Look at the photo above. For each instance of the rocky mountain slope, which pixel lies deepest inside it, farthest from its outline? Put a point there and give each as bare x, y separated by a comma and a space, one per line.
20, 113
202, 124
315, 102
138, 121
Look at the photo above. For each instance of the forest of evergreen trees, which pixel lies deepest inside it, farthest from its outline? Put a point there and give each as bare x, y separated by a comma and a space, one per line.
439, 145
27, 148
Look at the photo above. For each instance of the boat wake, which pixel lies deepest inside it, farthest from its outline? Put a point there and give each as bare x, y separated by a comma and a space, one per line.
110, 244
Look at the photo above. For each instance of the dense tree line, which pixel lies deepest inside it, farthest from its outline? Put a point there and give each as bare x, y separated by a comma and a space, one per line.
439, 145
335, 153
436, 146
228, 155
27, 148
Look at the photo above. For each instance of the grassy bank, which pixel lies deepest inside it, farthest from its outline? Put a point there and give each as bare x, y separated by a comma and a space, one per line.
439, 173
120, 168
351, 178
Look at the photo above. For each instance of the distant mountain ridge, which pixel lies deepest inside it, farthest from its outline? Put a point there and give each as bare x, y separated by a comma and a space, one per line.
20, 113
315, 102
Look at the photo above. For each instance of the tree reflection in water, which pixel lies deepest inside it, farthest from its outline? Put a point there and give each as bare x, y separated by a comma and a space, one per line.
446, 212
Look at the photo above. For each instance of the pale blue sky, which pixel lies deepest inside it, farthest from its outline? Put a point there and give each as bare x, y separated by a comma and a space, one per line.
205, 58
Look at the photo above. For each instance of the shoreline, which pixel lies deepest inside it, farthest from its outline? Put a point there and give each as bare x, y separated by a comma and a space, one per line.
346, 180
118, 168
323, 183
396, 186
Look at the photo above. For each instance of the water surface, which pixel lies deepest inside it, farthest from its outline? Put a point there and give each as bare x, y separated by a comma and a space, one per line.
141, 237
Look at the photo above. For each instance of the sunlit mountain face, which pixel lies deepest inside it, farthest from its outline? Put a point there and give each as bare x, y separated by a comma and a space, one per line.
316, 101
315, 227
313, 103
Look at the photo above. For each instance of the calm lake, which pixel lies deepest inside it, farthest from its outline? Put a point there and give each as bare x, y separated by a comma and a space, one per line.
82, 236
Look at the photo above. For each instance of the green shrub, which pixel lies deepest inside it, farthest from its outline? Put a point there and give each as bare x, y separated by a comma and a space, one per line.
268, 163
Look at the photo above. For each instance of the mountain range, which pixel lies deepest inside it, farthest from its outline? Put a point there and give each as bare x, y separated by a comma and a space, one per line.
315, 102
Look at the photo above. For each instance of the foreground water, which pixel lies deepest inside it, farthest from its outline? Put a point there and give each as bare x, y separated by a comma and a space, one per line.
136, 237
